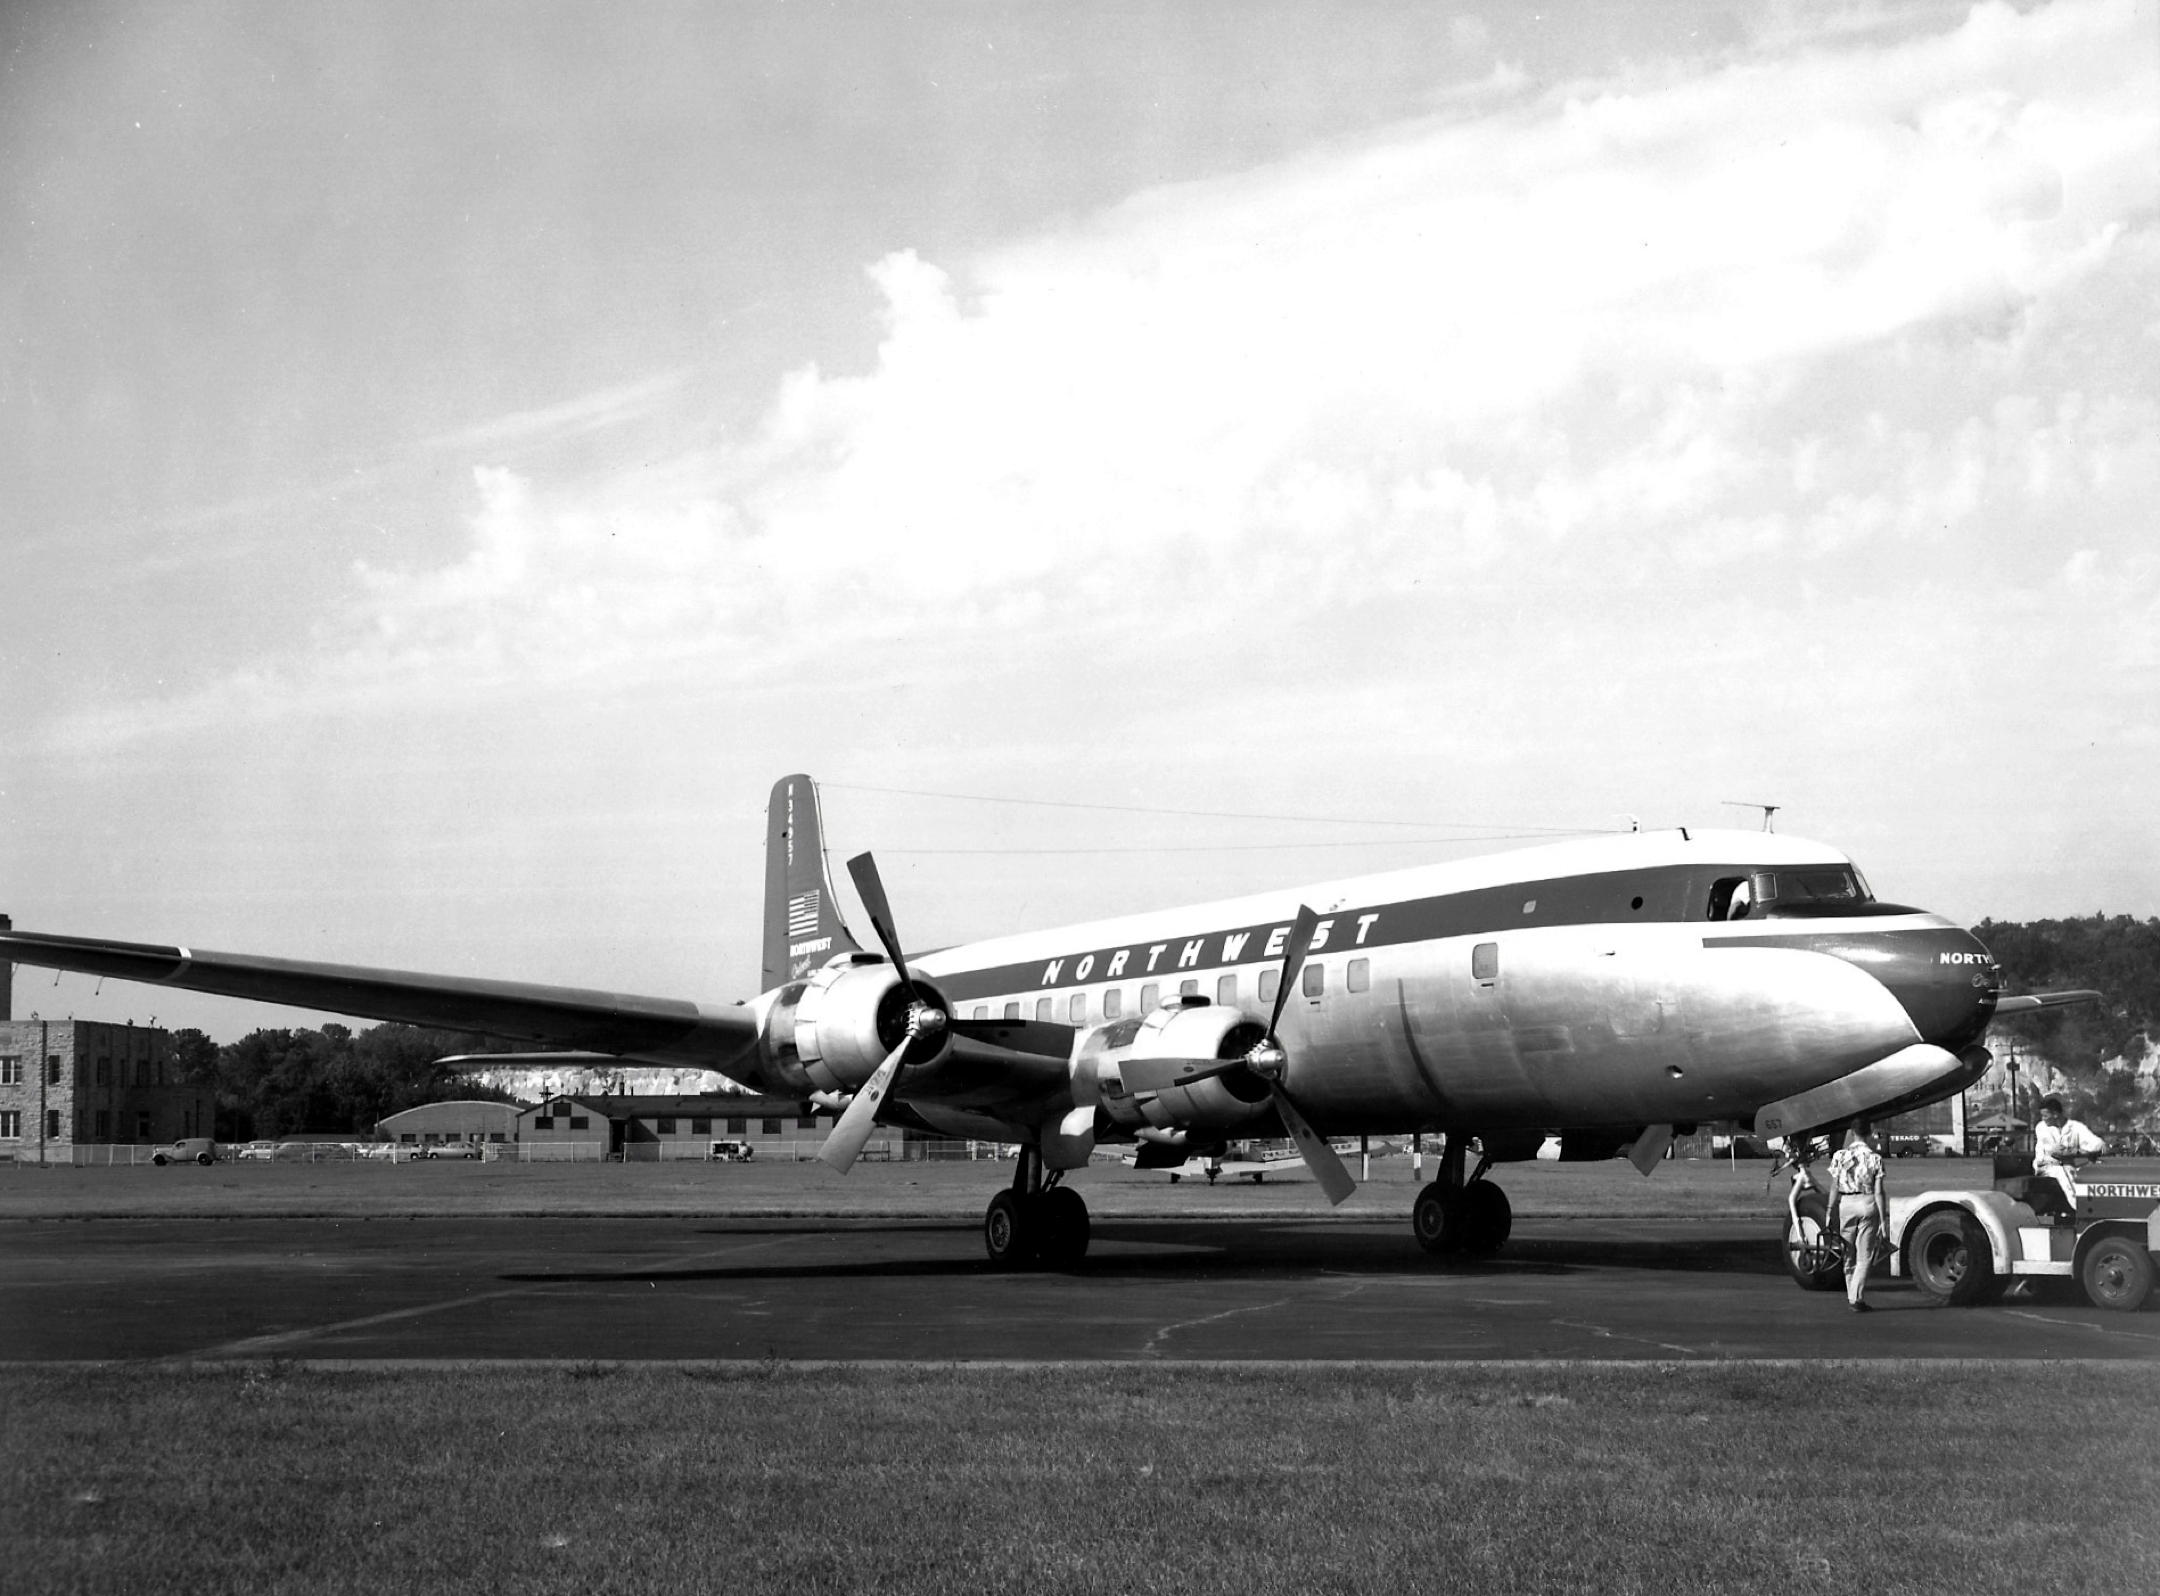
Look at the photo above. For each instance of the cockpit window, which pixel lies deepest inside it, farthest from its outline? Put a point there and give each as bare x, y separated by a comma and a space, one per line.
1815, 884
1815, 889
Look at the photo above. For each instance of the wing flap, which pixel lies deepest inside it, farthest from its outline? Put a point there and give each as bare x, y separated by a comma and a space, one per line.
566, 1017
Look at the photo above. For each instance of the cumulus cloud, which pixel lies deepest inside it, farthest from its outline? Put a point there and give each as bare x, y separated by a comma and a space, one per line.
1838, 300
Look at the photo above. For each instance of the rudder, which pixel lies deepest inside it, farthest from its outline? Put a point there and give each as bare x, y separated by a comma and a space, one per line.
803, 928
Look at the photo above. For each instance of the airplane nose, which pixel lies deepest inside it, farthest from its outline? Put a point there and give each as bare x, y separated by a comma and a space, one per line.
1947, 982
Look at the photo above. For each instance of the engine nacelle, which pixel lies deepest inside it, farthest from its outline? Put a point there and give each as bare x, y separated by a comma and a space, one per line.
1191, 1029
831, 1032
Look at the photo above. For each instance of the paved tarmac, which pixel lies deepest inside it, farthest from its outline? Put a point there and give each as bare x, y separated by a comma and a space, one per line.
1176, 1289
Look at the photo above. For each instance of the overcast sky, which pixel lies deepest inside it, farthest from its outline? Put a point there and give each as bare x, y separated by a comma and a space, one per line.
454, 458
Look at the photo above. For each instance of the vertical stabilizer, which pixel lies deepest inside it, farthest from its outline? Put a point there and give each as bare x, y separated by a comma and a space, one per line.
802, 919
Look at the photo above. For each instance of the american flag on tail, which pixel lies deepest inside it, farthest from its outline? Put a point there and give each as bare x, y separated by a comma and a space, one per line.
802, 913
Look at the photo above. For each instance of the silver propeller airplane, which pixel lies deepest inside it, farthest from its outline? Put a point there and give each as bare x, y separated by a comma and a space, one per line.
1612, 992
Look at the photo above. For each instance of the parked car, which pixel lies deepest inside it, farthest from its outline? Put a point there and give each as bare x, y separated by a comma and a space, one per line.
255, 1152
311, 1152
384, 1151
448, 1150
187, 1150
732, 1152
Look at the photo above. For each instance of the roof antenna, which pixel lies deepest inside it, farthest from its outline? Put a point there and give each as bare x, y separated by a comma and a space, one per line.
1767, 809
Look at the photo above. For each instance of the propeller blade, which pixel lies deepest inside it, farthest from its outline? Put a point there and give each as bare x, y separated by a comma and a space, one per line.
1320, 1158
1160, 1074
872, 892
1293, 961
846, 1141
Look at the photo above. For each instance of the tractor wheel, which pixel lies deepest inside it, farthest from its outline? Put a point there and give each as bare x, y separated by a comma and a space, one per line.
2117, 1272
1950, 1259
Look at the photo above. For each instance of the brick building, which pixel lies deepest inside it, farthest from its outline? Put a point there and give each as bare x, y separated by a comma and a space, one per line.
71, 1084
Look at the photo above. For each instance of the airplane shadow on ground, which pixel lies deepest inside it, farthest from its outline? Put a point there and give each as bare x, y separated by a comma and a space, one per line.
1212, 1251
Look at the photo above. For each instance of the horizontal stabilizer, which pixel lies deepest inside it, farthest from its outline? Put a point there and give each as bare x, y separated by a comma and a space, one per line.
2033, 1002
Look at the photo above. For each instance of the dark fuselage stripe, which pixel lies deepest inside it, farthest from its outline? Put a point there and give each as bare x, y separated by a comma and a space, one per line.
1669, 894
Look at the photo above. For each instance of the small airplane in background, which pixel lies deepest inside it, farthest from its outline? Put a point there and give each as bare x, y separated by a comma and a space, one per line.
1610, 992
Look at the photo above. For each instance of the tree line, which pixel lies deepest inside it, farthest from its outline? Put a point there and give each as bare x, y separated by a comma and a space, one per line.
274, 1083
2115, 955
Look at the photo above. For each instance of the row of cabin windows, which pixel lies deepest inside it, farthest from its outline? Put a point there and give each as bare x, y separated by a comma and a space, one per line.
1357, 977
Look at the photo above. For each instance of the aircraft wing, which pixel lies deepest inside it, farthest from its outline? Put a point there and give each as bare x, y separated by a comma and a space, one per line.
567, 1017
2033, 1002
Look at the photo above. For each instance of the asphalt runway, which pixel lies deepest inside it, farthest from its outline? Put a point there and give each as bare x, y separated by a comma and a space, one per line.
425, 1290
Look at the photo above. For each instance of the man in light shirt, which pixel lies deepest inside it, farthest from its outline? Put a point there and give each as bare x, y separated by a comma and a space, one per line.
2060, 1145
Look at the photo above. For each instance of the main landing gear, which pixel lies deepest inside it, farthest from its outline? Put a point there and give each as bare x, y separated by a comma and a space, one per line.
1036, 1220
1455, 1217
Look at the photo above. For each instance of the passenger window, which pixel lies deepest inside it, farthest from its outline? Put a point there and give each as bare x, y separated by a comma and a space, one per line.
981, 1012
1360, 975
1076, 1010
1042, 1008
1148, 996
1012, 1011
1270, 980
1188, 988
1113, 1003
1226, 990
1314, 981
1485, 962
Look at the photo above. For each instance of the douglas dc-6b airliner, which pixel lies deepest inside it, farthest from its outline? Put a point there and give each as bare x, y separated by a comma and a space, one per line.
1611, 992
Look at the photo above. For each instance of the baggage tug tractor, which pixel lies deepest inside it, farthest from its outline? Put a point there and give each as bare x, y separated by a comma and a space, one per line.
1963, 1247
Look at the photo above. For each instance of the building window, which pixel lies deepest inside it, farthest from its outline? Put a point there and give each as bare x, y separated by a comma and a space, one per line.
580, 1122
52, 1069
1360, 975
11, 1071
104, 1072
806, 1122
1113, 1003
771, 1127
104, 1125
408, 1138
701, 1127
52, 1124
540, 1122
737, 1125
497, 1136
1314, 981
142, 1127
10, 1124
1076, 1010
665, 1125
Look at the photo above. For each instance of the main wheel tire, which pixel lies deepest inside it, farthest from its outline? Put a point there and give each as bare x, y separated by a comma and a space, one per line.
1062, 1218
1009, 1234
1950, 1258
1811, 1253
1486, 1217
1436, 1218
2117, 1272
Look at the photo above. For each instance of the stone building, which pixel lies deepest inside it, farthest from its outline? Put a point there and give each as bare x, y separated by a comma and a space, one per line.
70, 1085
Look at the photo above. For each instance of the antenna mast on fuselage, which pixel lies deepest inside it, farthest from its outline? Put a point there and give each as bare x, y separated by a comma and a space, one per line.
1767, 810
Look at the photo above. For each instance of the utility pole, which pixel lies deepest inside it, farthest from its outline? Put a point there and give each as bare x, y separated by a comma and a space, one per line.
44, 1074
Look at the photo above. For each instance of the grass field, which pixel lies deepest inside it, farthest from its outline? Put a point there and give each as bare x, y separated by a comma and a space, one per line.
1681, 1188
1190, 1480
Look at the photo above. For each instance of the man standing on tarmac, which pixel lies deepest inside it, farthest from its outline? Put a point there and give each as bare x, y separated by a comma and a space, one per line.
2060, 1145
1861, 1208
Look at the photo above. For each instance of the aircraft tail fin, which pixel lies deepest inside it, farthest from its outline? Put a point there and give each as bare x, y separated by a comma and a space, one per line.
803, 928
